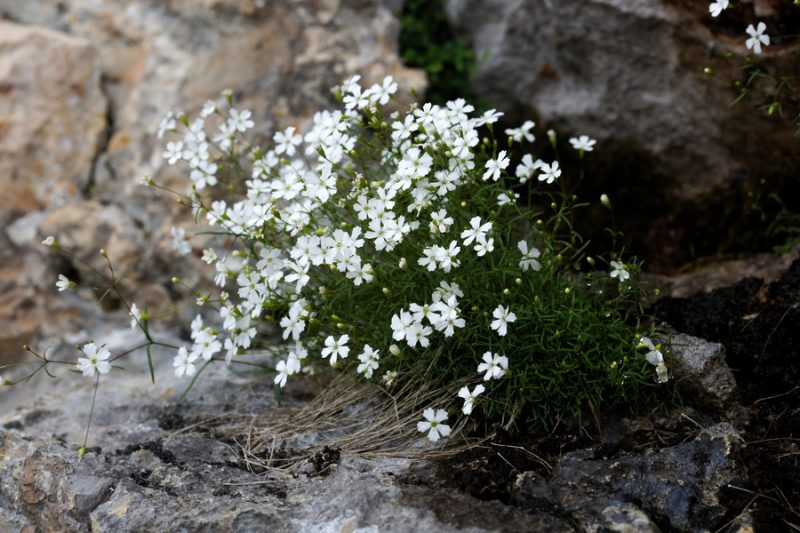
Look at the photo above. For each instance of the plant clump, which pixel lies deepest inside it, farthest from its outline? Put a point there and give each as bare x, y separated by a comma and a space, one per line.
395, 248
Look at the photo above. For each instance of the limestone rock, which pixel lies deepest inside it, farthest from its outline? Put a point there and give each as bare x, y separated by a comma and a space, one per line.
80, 105
52, 117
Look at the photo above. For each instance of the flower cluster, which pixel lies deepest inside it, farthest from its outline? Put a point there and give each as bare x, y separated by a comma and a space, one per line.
389, 247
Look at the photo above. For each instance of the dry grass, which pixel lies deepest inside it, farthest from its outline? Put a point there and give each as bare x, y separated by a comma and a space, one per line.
346, 418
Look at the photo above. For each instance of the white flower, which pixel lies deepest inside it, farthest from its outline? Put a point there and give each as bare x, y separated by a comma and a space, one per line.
167, 124
286, 141
389, 377
240, 120
655, 358
484, 246
502, 317
469, 397
495, 366
757, 37
173, 152
523, 132
180, 241
717, 6
184, 362
619, 270
476, 231
49, 241
528, 260
96, 360
136, 316
369, 361
63, 283
287, 368
336, 348
206, 344
550, 172
507, 198
433, 424
209, 108
583, 143
494, 166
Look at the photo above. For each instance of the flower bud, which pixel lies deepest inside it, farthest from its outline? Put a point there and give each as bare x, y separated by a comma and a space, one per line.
176, 279
386, 291
605, 200
394, 349
403, 263
518, 281
590, 260
506, 292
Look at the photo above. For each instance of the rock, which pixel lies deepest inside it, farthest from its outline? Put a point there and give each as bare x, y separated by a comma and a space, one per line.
701, 370
671, 147
678, 487
80, 108
52, 116
153, 465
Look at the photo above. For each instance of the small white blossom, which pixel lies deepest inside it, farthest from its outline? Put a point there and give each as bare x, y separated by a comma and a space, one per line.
173, 152
96, 360
757, 37
469, 397
136, 316
432, 425
494, 166
64, 283
180, 241
502, 317
550, 173
583, 143
717, 6
184, 362
494, 365
619, 270
369, 361
523, 132
49, 241
335, 348
655, 358
529, 257
389, 377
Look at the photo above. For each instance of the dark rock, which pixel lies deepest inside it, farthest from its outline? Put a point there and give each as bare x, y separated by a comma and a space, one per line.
677, 487
701, 370
671, 147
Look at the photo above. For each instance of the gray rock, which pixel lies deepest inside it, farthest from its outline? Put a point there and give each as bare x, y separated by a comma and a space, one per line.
147, 469
701, 369
630, 74
678, 487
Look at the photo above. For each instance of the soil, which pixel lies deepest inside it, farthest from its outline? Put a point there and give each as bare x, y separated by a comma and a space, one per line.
759, 325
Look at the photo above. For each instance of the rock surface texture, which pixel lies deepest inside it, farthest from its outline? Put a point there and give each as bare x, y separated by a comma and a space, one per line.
155, 465
631, 75
84, 85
